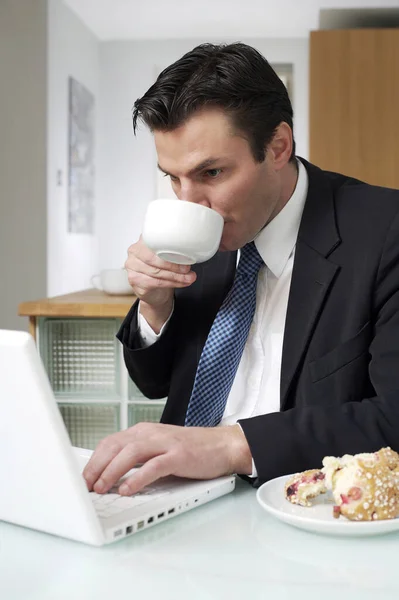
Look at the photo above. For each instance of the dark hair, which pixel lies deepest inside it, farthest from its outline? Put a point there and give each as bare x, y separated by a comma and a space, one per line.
234, 77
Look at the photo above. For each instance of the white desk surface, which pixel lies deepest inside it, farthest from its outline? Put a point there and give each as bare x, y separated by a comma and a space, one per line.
227, 549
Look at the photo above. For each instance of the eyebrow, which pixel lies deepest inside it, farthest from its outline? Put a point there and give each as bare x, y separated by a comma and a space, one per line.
203, 165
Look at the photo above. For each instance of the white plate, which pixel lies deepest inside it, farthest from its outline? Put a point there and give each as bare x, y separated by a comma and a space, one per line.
318, 518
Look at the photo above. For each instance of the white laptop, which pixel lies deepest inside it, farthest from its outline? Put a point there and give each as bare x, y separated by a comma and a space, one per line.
40, 472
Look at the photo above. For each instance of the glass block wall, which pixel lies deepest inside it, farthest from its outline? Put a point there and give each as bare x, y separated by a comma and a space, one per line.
149, 411
81, 357
84, 362
87, 424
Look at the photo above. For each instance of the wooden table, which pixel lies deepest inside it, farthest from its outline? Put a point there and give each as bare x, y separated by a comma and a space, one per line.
87, 303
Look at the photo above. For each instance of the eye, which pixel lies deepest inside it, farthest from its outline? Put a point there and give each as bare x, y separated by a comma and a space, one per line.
172, 177
213, 173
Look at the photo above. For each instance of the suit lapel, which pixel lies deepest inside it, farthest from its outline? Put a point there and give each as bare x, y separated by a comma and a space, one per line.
312, 277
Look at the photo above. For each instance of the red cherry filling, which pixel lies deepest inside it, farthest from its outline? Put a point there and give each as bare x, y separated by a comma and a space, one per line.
355, 493
293, 488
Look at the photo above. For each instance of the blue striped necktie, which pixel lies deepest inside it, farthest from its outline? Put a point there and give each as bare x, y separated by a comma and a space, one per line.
225, 344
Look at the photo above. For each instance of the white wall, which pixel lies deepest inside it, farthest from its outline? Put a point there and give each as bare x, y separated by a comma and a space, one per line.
72, 51
48, 43
23, 219
127, 165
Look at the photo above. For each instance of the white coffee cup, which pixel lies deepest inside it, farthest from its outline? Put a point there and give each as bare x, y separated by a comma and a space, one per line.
112, 281
182, 232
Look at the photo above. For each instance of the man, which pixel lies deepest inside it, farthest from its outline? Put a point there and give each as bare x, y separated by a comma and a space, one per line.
319, 370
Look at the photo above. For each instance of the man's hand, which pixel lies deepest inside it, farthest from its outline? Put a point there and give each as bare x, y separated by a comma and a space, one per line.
193, 452
154, 281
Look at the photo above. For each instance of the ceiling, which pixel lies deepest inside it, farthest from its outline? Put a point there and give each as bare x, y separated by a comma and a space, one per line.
182, 19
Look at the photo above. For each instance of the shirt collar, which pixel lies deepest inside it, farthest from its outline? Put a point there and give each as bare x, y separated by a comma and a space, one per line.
277, 240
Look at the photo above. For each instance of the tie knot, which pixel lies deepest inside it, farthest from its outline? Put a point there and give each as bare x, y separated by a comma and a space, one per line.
250, 260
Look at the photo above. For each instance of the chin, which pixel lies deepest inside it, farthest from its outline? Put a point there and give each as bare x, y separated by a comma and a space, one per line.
230, 244
228, 248
224, 246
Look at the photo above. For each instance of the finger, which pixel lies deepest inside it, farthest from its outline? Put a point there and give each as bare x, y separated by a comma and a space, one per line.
143, 254
158, 263
132, 454
159, 270
105, 452
153, 469
144, 282
160, 273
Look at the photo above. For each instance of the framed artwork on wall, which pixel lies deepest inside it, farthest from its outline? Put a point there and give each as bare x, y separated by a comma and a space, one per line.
80, 158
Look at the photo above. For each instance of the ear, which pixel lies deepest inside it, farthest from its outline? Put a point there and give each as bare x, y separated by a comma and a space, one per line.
280, 148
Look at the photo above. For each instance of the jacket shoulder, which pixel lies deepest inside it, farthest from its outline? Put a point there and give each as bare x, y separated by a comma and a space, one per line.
345, 187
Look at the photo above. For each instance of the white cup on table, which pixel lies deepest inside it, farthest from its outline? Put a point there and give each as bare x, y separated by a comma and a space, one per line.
113, 282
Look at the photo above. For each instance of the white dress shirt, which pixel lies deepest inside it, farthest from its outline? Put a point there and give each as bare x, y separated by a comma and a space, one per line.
256, 386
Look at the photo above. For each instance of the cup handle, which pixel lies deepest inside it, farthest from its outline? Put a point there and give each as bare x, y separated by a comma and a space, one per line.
95, 282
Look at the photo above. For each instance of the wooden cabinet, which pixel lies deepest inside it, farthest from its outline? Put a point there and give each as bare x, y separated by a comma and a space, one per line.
354, 103
75, 335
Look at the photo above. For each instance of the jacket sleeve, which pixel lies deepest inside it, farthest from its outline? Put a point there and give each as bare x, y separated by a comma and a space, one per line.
151, 367
299, 438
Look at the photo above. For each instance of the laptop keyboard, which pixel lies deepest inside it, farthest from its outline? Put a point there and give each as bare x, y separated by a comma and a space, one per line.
112, 503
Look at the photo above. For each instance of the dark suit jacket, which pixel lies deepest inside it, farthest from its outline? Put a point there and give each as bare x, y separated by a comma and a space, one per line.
340, 362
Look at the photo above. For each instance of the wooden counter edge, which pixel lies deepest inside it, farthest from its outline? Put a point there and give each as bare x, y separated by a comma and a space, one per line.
88, 303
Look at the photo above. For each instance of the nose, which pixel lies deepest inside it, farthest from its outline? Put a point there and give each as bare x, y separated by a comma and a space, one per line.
193, 193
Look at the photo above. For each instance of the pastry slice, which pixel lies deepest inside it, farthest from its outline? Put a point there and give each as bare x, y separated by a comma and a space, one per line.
302, 487
364, 486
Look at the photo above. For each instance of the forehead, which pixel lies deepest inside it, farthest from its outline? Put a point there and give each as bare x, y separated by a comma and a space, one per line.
208, 133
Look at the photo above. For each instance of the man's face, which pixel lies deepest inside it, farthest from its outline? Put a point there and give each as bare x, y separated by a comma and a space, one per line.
210, 164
